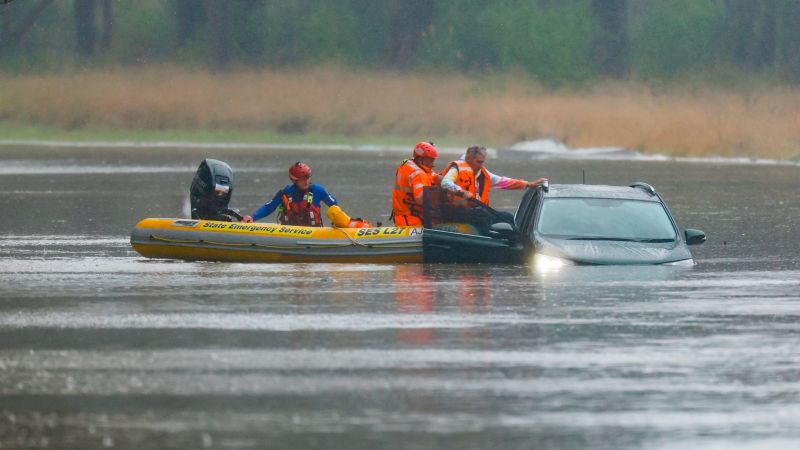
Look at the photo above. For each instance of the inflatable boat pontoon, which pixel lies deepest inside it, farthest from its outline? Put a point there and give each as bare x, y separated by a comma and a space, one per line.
209, 240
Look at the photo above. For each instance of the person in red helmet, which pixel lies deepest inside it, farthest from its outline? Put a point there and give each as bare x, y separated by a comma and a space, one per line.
410, 179
299, 203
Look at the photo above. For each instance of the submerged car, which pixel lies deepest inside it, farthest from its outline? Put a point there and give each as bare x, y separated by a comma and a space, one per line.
568, 224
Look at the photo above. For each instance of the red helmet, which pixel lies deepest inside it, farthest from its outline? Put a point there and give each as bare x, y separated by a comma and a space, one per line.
425, 150
299, 171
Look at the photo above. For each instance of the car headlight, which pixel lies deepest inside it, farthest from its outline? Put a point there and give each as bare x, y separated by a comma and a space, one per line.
547, 263
683, 263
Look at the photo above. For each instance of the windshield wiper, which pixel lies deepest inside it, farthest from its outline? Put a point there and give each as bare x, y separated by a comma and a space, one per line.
601, 238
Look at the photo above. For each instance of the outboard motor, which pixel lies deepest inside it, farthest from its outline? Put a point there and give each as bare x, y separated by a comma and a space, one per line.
211, 192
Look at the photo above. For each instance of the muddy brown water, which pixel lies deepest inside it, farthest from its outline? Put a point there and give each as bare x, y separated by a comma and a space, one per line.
102, 348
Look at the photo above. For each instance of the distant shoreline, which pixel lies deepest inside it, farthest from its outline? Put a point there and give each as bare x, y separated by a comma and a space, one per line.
613, 154
336, 106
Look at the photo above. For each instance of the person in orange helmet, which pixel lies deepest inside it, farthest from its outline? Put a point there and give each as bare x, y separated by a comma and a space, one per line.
410, 178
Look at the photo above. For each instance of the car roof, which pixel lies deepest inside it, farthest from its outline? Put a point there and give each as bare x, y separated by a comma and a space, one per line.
600, 191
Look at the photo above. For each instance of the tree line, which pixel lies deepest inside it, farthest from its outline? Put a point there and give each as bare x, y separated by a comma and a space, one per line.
556, 41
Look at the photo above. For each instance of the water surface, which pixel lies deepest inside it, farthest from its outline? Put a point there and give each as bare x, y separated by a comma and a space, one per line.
102, 348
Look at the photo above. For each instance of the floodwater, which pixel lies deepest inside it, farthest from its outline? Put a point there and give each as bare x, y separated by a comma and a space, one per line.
101, 348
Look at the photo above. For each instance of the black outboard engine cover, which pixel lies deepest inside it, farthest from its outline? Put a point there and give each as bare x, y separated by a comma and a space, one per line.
211, 191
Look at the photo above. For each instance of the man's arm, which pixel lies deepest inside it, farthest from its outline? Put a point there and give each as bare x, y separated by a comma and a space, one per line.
449, 180
418, 183
267, 208
322, 194
501, 182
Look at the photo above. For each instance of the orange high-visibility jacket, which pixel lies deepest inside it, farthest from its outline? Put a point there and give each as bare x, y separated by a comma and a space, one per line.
407, 193
466, 180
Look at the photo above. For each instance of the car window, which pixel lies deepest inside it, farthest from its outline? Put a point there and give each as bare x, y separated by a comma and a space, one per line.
605, 219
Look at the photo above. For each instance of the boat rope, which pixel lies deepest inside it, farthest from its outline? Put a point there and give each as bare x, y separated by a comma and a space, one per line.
350, 237
282, 247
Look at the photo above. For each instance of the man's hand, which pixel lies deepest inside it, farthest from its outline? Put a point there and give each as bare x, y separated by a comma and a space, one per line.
464, 194
468, 195
537, 183
247, 219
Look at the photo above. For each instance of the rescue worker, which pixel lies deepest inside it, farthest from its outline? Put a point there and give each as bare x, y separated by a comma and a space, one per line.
299, 203
409, 180
459, 177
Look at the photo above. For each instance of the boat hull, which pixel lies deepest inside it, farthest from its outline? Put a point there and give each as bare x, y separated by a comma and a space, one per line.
207, 240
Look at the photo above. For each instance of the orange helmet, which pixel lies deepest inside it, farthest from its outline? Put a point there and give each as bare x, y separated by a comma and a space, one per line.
425, 150
299, 171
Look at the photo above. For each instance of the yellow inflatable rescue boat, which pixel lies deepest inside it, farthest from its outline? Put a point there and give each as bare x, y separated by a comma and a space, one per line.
209, 240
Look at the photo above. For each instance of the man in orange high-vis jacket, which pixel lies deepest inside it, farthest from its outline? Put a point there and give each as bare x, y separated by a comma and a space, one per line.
409, 180
460, 177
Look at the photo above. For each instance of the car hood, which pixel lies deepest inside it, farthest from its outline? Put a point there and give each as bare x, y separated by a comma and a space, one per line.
612, 252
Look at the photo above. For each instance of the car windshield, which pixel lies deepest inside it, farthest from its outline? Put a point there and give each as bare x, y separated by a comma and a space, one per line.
605, 219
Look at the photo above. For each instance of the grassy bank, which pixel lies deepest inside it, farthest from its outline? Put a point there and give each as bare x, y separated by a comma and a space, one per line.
20, 131
340, 106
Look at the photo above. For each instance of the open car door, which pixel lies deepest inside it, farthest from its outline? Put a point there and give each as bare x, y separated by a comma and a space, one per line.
458, 230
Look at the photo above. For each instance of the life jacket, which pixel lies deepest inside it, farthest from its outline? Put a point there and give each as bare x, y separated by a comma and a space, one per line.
405, 208
303, 213
466, 180
358, 222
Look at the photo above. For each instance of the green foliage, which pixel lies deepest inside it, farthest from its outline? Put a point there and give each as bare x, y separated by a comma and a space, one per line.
550, 40
290, 32
326, 33
675, 37
764, 35
145, 32
42, 46
461, 37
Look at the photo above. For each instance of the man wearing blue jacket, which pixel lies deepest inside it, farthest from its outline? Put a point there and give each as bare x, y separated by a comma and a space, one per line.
297, 203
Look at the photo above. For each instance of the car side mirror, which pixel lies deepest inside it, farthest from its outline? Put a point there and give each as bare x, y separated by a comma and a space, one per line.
502, 230
694, 237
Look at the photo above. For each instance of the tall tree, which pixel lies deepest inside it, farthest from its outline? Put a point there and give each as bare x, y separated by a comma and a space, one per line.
219, 34
610, 37
787, 39
748, 33
761, 48
85, 27
408, 19
12, 32
6, 25
189, 16
108, 26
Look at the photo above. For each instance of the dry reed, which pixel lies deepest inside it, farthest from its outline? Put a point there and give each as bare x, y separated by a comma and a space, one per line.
496, 110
